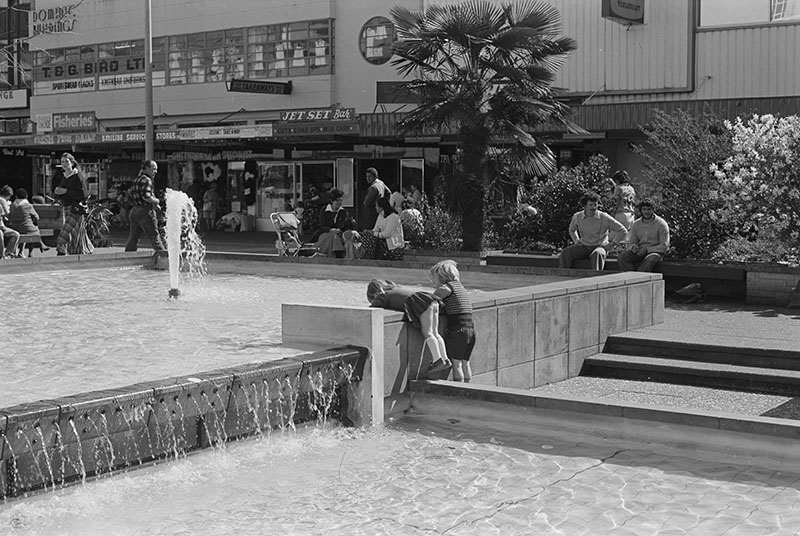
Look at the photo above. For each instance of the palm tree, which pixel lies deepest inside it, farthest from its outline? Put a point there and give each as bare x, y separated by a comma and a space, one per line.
484, 71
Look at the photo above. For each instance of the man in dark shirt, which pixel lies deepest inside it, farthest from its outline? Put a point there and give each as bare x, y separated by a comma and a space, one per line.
143, 212
376, 189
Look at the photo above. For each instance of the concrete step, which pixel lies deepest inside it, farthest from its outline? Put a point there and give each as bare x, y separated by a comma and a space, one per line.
695, 373
767, 358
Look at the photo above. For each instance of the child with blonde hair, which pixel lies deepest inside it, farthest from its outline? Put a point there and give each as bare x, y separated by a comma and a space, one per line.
421, 309
459, 337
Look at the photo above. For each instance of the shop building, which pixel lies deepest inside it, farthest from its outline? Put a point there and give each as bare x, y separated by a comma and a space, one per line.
278, 101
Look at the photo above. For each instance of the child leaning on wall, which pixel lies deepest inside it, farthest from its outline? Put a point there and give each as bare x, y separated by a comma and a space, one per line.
459, 337
421, 309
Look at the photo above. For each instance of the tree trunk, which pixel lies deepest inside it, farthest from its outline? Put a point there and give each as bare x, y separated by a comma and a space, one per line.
474, 163
472, 218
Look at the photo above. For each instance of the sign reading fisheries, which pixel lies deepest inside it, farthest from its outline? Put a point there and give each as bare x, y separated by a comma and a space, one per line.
259, 86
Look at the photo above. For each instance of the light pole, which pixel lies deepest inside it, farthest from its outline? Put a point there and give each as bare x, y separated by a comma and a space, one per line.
149, 130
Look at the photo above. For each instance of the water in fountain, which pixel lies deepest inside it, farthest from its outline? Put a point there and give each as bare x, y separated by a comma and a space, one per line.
185, 248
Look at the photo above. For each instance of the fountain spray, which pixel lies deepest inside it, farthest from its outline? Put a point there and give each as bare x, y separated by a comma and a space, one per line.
184, 247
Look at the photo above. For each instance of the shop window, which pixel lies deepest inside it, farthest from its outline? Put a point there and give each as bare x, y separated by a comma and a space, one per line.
267, 51
743, 12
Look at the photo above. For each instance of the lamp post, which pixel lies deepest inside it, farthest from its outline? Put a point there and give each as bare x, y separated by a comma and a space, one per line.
149, 130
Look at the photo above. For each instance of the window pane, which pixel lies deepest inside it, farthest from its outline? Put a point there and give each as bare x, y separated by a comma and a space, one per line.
177, 42
106, 50
72, 54
122, 49
196, 41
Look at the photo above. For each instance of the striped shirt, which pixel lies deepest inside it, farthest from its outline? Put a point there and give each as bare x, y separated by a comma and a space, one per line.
456, 304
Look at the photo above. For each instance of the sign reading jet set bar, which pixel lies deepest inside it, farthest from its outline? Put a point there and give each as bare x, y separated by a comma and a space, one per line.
259, 86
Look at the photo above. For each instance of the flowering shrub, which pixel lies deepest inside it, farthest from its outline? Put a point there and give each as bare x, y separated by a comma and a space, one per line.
761, 179
680, 148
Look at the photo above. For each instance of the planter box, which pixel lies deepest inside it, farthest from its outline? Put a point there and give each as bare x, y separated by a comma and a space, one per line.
770, 284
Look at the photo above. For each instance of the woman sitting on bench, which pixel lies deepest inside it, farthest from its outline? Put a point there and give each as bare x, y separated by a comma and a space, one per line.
25, 220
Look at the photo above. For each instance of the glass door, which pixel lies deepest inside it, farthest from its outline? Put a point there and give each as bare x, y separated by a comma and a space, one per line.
276, 191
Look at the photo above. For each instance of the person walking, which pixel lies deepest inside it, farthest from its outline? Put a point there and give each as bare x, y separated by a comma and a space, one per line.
144, 207
72, 193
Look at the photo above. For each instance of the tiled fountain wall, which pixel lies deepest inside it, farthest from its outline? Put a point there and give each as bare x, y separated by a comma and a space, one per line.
526, 337
46, 444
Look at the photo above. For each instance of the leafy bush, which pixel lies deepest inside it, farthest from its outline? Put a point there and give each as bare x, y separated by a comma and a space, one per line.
440, 229
677, 162
755, 250
97, 222
556, 198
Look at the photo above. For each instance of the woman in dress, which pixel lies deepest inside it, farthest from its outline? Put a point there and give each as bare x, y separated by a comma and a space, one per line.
73, 238
385, 241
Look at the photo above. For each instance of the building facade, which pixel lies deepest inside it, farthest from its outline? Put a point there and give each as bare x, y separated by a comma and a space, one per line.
278, 101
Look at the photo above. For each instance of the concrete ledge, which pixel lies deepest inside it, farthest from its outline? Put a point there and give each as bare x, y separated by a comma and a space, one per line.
99, 432
78, 262
774, 441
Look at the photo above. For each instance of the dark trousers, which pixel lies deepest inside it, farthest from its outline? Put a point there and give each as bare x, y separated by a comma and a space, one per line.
143, 222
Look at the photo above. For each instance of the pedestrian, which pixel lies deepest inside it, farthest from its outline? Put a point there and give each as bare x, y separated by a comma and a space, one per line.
459, 337
210, 205
72, 192
648, 241
590, 230
144, 209
376, 190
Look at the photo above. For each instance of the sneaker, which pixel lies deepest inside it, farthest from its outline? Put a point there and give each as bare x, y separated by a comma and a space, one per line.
439, 366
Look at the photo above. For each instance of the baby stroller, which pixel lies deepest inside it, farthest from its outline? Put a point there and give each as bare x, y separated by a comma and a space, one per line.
288, 243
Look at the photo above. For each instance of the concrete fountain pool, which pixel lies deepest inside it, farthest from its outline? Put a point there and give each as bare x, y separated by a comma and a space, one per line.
143, 381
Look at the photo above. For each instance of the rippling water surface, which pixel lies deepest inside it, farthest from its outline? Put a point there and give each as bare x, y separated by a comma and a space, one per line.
422, 475
74, 331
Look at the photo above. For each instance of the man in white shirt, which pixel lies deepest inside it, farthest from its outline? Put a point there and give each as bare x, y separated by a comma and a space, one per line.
591, 230
648, 241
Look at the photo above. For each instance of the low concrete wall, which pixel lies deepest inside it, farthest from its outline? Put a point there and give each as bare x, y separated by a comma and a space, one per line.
51, 443
526, 337
770, 284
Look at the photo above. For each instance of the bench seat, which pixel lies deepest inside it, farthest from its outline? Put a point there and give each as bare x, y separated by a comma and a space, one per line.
716, 279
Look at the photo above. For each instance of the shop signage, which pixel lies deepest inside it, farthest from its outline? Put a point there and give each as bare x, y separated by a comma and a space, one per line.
623, 11
101, 67
319, 114
74, 122
44, 123
13, 98
330, 128
184, 134
53, 20
259, 86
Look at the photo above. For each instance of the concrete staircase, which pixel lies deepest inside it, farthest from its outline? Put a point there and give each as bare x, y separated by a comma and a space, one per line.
704, 365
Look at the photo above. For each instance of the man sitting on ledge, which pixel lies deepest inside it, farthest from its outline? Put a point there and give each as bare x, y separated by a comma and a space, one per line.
590, 230
648, 241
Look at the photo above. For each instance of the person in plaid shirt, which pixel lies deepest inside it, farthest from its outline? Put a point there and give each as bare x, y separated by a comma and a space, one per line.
144, 209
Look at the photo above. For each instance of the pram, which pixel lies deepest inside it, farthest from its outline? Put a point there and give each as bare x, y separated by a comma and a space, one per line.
288, 243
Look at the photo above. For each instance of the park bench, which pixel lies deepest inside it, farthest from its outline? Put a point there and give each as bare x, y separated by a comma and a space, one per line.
51, 219
716, 279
